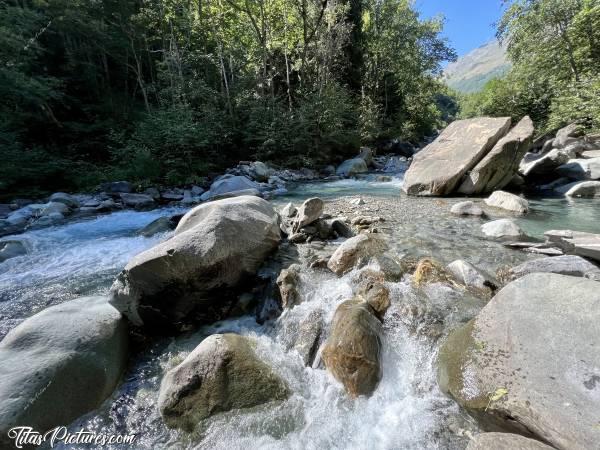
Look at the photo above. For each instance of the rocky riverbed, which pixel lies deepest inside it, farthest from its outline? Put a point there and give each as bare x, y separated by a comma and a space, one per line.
341, 313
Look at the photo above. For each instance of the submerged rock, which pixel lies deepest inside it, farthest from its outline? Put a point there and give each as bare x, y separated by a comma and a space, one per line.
354, 251
507, 201
11, 249
529, 362
192, 276
503, 229
220, 374
505, 441
498, 167
565, 265
430, 271
467, 208
60, 364
352, 352
439, 167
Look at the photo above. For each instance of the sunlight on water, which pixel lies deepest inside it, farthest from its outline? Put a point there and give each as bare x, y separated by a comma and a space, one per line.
407, 411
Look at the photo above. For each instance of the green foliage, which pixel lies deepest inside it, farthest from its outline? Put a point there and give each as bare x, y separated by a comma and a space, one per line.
164, 91
554, 47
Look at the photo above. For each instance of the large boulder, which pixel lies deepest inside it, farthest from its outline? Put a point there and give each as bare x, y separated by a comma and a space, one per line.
354, 251
220, 374
498, 167
60, 364
439, 167
530, 361
505, 441
507, 201
230, 183
564, 265
580, 189
352, 352
192, 276
581, 169
352, 167
534, 165
503, 229
11, 249
576, 242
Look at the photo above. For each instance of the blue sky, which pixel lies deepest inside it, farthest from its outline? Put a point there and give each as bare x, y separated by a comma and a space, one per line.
469, 23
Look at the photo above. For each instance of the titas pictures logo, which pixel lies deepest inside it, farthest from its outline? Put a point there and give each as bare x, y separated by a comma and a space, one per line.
26, 436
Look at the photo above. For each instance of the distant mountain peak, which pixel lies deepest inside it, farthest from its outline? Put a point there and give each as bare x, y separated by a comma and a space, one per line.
470, 72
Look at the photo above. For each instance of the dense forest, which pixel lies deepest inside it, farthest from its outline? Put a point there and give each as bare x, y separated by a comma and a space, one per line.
165, 91
554, 47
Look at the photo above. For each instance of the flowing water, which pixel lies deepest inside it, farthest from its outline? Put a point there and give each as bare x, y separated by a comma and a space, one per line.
407, 411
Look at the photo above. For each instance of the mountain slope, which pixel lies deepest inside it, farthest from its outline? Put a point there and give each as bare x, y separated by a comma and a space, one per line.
470, 72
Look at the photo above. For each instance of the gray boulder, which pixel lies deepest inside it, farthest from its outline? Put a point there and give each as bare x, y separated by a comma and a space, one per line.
220, 374
289, 211
533, 165
51, 208
288, 281
67, 199
466, 208
230, 183
308, 213
564, 265
529, 362
137, 201
260, 171
352, 167
367, 155
498, 167
310, 331
60, 364
11, 249
352, 352
354, 251
576, 242
581, 169
468, 275
503, 229
505, 441
580, 189
507, 201
564, 135
439, 167
189, 277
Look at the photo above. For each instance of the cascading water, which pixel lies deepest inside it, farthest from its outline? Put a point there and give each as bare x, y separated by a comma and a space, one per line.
407, 411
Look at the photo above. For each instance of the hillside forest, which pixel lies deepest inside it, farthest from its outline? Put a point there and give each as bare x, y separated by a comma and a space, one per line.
165, 92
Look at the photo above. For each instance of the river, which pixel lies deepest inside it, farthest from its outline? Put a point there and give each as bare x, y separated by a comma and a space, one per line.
407, 411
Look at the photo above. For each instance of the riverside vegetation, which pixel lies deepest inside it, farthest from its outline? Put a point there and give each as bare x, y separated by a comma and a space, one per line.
418, 296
